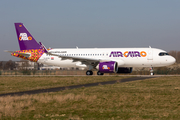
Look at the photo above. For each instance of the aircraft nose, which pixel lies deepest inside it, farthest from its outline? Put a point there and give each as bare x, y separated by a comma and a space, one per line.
172, 60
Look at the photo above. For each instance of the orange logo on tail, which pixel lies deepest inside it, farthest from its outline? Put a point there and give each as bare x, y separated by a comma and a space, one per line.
24, 36
30, 38
20, 38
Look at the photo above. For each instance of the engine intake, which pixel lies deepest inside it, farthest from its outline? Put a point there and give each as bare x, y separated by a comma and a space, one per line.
108, 67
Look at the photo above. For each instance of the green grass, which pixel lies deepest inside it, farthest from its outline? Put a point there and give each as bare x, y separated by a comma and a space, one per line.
156, 98
15, 84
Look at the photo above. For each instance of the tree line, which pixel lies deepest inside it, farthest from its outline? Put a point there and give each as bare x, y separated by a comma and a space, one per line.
7, 65
176, 55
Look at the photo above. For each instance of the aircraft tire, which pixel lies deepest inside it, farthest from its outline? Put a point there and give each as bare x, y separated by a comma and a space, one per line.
99, 73
89, 72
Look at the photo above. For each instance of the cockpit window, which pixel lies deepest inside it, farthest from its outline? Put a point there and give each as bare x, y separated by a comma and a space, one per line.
163, 54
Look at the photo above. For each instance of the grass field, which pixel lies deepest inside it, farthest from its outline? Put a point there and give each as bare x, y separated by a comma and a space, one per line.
156, 98
22, 83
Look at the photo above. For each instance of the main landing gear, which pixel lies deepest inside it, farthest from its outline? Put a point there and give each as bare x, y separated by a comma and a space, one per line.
99, 73
151, 70
89, 72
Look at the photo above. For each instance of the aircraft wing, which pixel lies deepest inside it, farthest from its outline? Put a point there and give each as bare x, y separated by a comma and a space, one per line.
84, 60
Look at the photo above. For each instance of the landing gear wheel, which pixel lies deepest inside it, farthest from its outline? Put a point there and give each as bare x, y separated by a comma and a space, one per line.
99, 73
151, 70
89, 72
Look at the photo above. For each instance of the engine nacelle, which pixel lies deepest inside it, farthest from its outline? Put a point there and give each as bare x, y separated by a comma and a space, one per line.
125, 70
107, 67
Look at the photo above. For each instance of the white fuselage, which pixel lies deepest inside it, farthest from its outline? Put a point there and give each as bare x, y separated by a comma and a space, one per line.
125, 57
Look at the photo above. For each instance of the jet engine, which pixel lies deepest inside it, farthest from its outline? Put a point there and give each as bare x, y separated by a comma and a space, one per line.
124, 70
107, 67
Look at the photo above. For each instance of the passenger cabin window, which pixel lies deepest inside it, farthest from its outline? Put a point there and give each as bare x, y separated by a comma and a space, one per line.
163, 54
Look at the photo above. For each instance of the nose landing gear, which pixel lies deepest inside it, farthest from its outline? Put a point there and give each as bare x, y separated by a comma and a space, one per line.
151, 71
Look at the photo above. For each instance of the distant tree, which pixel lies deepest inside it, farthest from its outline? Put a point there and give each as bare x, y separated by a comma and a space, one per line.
1, 65
10, 65
23, 67
25, 64
39, 65
176, 55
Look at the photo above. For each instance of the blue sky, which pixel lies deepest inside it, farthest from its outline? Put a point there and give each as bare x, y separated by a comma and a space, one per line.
92, 23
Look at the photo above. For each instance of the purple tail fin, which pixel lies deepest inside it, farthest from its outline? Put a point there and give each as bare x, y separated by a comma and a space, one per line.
26, 40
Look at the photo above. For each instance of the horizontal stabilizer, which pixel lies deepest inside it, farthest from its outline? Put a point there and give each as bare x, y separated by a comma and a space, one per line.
23, 54
8, 51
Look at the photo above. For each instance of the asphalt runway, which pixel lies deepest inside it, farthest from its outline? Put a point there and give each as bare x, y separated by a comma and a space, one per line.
57, 89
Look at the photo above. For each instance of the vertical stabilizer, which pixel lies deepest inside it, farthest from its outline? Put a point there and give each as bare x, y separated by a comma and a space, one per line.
25, 39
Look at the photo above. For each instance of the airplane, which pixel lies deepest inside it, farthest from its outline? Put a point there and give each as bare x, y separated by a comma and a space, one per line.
104, 60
